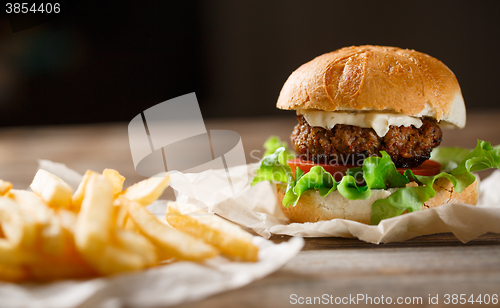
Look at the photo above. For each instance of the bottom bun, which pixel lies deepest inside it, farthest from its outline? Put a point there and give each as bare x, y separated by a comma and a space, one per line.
311, 207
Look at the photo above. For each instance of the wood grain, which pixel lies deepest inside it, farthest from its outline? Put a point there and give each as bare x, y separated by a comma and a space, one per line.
435, 264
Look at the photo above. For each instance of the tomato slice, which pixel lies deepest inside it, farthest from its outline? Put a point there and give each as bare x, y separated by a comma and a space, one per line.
429, 167
337, 170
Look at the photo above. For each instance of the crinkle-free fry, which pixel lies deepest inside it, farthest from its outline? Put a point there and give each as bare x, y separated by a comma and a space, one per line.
229, 238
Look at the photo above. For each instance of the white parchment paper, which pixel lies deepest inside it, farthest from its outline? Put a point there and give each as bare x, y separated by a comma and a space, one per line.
159, 286
256, 208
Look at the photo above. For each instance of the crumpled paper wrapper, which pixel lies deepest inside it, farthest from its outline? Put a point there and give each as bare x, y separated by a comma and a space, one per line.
163, 285
256, 208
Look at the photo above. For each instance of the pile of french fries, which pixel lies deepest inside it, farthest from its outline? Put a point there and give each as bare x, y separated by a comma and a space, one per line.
101, 229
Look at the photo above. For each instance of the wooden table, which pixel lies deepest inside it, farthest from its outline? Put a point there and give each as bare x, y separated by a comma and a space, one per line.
436, 265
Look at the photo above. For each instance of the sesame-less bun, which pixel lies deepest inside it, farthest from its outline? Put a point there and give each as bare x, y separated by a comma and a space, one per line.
311, 207
376, 78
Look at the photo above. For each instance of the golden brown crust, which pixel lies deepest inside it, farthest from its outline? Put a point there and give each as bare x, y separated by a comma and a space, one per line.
312, 208
376, 78
446, 194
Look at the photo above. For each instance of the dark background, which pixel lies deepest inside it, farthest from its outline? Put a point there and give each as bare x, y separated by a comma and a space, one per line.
103, 62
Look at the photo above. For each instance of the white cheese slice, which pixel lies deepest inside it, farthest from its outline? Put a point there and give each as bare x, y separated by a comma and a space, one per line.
380, 122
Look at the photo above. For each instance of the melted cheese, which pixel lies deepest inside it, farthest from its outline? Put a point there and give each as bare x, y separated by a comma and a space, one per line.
380, 122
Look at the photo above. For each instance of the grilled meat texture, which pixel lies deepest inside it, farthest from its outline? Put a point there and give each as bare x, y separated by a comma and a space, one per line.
348, 144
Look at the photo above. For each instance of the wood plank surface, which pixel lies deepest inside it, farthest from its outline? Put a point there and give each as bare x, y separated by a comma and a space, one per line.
429, 265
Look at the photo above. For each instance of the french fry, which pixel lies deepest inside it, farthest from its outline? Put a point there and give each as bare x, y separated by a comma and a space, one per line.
147, 191
94, 219
93, 230
45, 267
115, 178
52, 189
117, 260
4, 187
130, 225
170, 241
120, 216
12, 273
230, 239
50, 234
138, 244
18, 228
77, 198
67, 220
53, 240
11, 255
93, 224
31, 203
54, 271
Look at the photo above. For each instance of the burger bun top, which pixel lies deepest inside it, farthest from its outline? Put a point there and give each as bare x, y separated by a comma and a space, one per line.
376, 78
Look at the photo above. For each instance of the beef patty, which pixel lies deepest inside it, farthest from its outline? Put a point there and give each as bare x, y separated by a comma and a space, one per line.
407, 146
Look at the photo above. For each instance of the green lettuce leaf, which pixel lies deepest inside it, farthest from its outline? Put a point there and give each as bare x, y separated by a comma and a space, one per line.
317, 178
273, 143
381, 173
274, 168
484, 156
407, 198
290, 196
449, 157
350, 190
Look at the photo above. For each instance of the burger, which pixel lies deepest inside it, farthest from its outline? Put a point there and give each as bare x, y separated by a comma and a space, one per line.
370, 121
